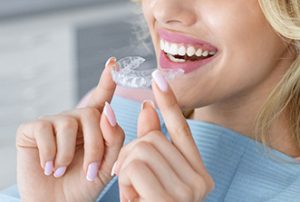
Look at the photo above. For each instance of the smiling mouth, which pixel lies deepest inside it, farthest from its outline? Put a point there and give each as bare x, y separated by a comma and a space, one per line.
181, 53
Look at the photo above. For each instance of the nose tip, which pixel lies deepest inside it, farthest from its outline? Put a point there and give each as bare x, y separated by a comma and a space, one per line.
174, 12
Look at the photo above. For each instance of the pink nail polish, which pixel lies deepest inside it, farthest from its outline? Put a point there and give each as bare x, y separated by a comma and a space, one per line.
48, 168
110, 115
60, 171
160, 80
92, 171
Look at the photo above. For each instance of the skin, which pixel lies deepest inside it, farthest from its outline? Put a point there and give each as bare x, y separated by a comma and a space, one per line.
150, 167
73, 139
251, 60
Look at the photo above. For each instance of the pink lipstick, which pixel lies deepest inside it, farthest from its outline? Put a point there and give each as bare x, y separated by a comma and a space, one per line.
179, 51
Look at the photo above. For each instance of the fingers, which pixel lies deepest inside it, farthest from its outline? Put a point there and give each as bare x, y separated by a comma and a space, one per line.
168, 165
89, 119
165, 148
170, 153
39, 134
175, 122
147, 153
66, 133
113, 136
148, 119
127, 193
57, 137
103, 139
66, 128
46, 144
138, 175
105, 88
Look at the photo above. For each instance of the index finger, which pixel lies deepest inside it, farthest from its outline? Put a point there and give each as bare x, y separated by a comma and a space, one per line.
175, 122
105, 88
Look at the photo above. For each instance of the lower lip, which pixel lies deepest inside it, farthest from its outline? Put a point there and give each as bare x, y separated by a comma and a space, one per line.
188, 66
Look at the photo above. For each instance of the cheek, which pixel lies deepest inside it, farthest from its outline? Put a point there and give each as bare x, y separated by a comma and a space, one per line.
150, 20
251, 52
247, 45
195, 90
249, 48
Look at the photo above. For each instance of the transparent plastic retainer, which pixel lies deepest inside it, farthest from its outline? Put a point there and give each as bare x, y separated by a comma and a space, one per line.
135, 72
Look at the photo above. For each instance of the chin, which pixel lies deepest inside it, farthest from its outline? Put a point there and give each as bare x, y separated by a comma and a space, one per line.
184, 99
188, 98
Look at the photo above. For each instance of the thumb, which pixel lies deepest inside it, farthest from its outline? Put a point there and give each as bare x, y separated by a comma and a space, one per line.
105, 88
148, 119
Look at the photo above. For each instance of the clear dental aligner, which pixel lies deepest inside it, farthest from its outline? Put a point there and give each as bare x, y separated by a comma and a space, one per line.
132, 72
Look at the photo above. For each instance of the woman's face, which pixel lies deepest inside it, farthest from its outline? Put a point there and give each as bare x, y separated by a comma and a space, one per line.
243, 51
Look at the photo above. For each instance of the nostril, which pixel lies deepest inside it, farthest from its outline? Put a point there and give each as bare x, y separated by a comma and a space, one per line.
173, 21
179, 20
176, 12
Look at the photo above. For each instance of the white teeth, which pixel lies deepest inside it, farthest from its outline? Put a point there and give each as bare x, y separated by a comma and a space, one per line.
162, 45
190, 51
177, 49
181, 51
205, 53
173, 49
166, 47
173, 59
212, 53
199, 52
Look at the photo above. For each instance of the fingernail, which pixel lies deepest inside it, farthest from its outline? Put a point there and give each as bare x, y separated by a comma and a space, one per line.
111, 59
147, 103
113, 169
160, 80
60, 171
92, 171
110, 115
48, 168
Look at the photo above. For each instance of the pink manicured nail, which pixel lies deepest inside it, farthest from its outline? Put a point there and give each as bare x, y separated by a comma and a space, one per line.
60, 171
110, 115
160, 80
92, 171
111, 59
48, 168
147, 103
113, 169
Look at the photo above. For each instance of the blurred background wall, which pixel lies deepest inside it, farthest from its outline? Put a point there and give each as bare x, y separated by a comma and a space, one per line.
52, 53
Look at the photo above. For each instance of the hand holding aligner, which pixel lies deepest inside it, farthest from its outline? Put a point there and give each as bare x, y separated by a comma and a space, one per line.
129, 72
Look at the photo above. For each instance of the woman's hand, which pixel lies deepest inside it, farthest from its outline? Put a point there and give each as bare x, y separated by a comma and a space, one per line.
69, 156
152, 168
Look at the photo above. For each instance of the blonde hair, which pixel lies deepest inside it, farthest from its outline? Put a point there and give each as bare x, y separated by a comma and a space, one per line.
284, 17
284, 100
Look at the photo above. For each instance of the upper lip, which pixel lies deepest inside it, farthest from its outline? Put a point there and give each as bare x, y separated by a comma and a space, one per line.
175, 37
